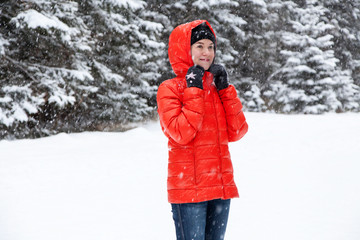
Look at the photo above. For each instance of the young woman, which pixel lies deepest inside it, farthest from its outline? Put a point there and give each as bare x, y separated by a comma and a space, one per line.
199, 113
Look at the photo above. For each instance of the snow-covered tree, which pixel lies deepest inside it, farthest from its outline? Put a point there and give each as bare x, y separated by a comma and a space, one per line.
77, 65
253, 58
127, 58
345, 16
310, 80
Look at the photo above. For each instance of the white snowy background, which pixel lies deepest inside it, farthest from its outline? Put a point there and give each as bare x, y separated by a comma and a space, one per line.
298, 178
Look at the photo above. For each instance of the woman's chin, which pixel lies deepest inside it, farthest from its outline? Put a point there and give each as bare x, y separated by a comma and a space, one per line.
206, 66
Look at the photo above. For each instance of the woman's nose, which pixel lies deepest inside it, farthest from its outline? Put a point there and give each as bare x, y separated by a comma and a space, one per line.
206, 51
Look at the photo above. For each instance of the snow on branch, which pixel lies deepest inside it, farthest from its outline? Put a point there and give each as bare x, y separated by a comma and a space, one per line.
33, 19
3, 43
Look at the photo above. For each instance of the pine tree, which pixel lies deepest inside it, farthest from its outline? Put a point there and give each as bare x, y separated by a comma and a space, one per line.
254, 45
69, 66
86, 65
310, 80
345, 16
126, 60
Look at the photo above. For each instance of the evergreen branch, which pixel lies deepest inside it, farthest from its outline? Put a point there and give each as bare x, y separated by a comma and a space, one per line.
20, 66
7, 17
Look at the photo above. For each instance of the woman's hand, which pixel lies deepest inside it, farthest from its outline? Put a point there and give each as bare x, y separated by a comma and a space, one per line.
194, 76
220, 76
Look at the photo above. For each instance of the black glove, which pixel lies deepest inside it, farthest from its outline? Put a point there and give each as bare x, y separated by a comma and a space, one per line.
220, 76
194, 76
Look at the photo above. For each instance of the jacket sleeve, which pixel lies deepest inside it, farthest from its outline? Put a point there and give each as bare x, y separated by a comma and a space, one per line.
180, 120
236, 122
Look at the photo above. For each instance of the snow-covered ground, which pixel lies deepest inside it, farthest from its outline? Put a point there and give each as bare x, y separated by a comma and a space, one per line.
298, 177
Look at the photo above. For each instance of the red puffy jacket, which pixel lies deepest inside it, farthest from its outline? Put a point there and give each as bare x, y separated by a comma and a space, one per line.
199, 124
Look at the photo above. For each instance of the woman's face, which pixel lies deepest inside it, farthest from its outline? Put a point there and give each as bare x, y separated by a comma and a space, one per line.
202, 53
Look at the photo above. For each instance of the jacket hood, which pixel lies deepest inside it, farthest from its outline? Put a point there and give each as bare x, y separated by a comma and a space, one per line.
180, 47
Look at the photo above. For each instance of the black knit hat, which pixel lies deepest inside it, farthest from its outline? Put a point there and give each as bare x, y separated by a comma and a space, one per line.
202, 31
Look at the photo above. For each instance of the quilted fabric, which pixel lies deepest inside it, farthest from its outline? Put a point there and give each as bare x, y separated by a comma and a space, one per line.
199, 123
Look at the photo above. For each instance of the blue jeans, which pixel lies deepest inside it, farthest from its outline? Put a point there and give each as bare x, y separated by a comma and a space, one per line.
201, 221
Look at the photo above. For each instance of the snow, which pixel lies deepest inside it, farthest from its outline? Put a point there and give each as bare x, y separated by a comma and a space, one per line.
133, 4
298, 177
34, 19
208, 4
19, 113
259, 2
16, 110
82, 75
5, 99
61, 99
108, 74
304, 68
3, 43
151, 26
